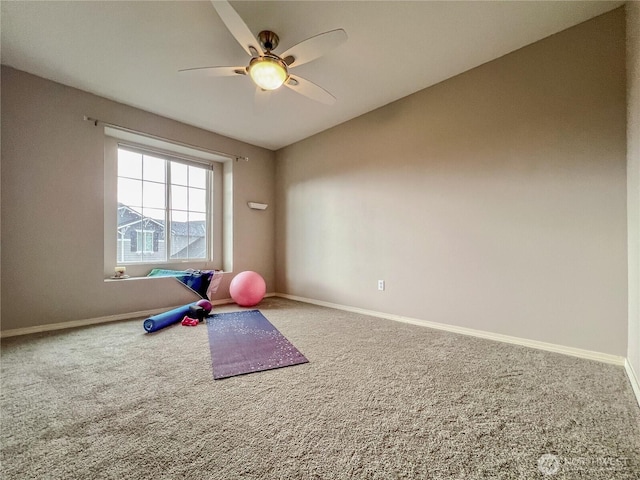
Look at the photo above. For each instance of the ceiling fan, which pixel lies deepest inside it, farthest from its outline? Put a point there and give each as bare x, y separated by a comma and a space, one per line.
268, 70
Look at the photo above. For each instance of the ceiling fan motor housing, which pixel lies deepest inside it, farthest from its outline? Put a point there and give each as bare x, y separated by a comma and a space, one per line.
268, 40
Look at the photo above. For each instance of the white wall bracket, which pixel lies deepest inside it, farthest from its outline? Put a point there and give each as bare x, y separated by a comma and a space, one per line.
257, 205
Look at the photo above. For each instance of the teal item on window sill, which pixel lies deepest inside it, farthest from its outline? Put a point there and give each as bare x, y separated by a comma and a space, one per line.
198, 281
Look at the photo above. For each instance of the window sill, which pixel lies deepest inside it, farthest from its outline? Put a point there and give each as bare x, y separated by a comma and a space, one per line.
128, 279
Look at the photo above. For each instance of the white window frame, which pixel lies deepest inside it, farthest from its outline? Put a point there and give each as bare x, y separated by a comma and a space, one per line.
218, 192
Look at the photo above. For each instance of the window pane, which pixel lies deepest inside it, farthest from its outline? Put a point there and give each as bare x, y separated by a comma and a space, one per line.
197, 248
153, 215
188, 238
197, 235
179, 235
153, 195
197, 200
128, 238
154, 235
197, 177
178, 174
179, 199
154, 169
129, 164
197, 217
130, 192
179, 216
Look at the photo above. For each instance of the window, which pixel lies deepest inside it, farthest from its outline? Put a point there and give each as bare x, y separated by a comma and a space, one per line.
164, 208
166, 205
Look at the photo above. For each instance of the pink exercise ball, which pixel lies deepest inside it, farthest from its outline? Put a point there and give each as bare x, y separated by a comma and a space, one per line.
247, 289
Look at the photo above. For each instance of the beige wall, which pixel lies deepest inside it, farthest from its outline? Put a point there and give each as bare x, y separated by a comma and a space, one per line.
495, 200
633, 179
52, 206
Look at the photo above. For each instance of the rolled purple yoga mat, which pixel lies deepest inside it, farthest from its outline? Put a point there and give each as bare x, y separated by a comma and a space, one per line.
157, 322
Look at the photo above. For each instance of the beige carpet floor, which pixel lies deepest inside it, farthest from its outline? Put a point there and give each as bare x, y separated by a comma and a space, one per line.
378, 400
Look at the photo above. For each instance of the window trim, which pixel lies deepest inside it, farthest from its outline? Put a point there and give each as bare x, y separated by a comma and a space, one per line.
216, 194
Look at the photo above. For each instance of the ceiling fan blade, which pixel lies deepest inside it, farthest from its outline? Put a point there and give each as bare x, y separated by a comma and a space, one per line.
309, 90
214, 71
237, 27
314, 47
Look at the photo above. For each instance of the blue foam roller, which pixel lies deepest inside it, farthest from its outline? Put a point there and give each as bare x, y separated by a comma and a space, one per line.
157, 322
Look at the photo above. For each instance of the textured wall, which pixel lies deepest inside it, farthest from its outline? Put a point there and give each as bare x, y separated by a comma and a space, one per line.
52, 206
495, 200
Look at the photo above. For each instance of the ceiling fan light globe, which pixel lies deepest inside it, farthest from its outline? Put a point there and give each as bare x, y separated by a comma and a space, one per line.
268, 73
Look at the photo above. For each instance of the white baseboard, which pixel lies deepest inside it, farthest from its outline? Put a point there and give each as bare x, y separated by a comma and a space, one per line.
81, 323
95, 321
633, 378
550, 347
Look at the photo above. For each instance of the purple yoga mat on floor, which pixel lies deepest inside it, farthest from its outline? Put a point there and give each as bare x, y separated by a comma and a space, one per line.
245, 342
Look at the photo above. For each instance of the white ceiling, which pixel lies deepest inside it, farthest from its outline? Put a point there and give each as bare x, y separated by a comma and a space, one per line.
131, 52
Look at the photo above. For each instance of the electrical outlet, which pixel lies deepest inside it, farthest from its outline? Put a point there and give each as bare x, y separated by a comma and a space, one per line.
380, 284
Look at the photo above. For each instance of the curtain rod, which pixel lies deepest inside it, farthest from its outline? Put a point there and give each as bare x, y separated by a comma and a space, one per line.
96, 121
